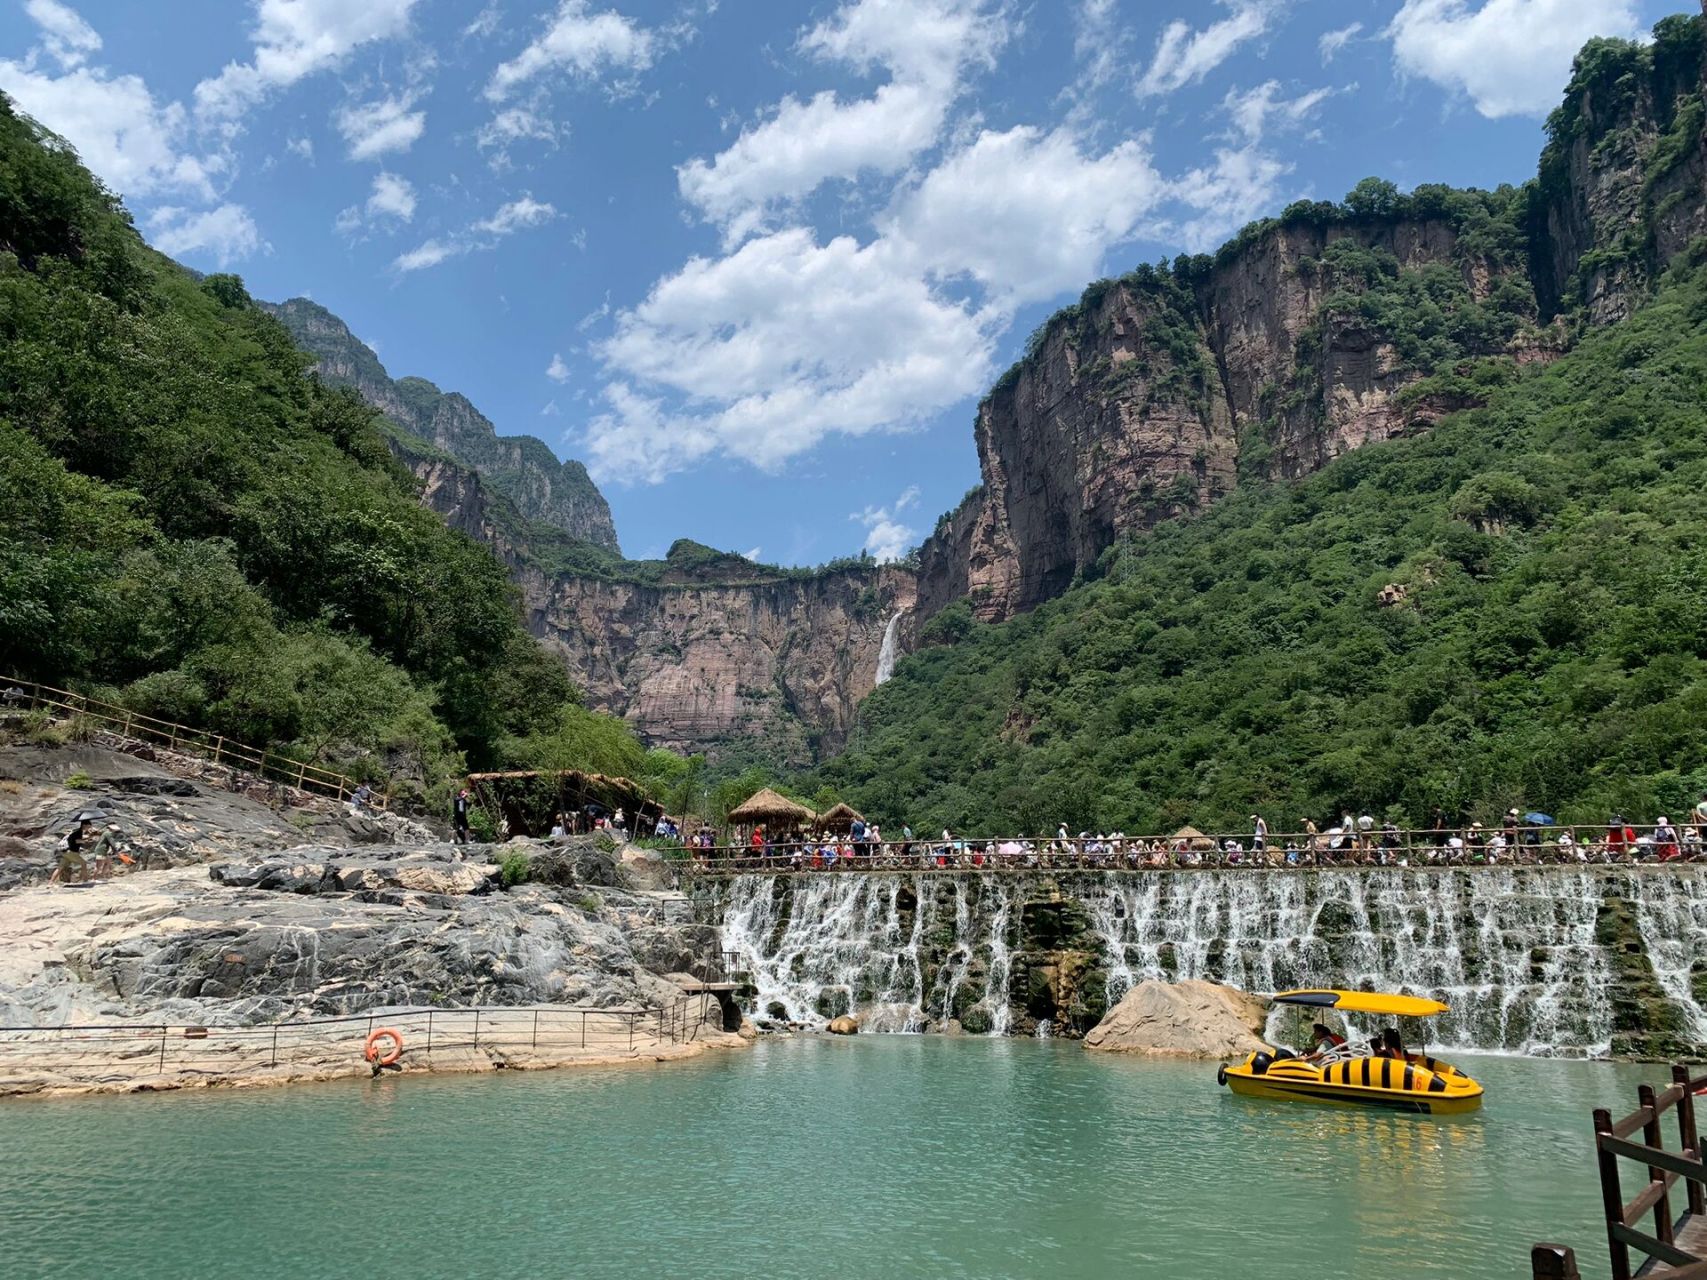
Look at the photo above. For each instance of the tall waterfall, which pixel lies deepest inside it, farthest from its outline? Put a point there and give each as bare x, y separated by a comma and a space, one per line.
1526, 957
886, 654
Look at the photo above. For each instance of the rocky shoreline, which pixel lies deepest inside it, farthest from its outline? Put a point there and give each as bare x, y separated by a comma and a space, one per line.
250, 917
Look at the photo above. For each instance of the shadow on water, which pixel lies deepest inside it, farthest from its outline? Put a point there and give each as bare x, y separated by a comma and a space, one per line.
881, 1156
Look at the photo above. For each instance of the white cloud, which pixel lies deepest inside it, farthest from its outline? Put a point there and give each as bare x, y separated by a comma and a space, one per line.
886, 538
484, 24
225, 234
557, 371
583, 43
515, 124
1184, 56
301, 147
775, 346
376, 128
138, 146
1099, 42
1254, 111
515, 216
393, 197
1242, 183
926, 46
550, 410
429, 253
294, 39
1510, 57
1024, 213
1333, 41
65, 35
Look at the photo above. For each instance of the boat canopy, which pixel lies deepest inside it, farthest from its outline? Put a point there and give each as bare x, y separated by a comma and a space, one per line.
1376, 1002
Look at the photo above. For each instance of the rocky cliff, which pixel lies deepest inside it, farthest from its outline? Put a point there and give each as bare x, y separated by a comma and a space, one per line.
774, 664
1327, 328
524, 470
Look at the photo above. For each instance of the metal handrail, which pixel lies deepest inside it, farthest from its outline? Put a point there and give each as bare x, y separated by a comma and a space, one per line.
193, 741
1417, 848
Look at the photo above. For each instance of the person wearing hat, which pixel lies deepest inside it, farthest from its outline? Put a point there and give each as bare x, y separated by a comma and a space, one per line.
1666, 845
459, 816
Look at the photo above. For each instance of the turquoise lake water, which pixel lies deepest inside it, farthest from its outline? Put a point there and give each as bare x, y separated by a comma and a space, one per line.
875, 1156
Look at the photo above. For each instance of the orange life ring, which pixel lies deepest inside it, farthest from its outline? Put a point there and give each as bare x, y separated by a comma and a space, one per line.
371, 1050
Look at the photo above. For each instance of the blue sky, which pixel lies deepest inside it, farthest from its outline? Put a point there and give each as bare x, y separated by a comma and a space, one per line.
753, 261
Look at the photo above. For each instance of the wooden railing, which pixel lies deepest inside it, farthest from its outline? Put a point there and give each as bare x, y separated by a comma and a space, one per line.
1676, 1247
264, 762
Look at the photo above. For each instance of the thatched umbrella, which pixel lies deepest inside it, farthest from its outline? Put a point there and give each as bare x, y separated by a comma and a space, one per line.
1194, 838
840, 818
770, 809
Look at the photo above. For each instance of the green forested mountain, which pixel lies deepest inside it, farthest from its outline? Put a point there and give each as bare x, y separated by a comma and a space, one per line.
192, 523
1509, 610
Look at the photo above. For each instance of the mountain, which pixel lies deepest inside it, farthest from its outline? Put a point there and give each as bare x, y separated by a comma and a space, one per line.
1390, 506
523, 469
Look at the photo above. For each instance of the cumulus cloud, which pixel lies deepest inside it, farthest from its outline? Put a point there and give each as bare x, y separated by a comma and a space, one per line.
1099, 42
580, 42
1243, 183
294, 39
925, 46
1255, 111
376, 128
886, 538
512, 125
557, 370
1026, 214
1509, 57
1184, 56
138, 146
303, 148
392, 199
1332, 42
65, 36
517, 215
225, 234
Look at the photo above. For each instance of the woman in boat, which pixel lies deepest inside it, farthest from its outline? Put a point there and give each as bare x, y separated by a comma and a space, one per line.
1391, 1045
1323, 1041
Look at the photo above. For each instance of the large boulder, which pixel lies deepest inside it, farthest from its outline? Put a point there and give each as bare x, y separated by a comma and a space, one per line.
1190, 1019
843, 1026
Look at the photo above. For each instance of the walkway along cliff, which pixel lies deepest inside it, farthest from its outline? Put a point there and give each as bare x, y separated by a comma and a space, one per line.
1551, 961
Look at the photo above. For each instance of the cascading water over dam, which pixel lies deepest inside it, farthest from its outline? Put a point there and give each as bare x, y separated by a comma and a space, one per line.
1543, 960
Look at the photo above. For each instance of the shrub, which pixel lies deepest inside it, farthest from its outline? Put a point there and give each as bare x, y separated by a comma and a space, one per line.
514, 868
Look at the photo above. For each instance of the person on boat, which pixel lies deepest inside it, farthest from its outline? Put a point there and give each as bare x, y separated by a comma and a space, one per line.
1391, 1046
1323, 1041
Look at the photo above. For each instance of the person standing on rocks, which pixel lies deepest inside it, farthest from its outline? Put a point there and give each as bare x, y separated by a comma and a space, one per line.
459, 816
72, 864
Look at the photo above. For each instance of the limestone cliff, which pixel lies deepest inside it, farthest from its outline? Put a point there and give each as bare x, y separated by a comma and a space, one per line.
522, 469
758, 662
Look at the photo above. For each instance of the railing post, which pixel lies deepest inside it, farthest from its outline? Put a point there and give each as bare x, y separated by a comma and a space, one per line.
1611, 1198
162, 1050
476, 1028
1687, 1134
429, 1033
583, 1028
1553, 1262
536, 1028
1654, 1136
275, 1061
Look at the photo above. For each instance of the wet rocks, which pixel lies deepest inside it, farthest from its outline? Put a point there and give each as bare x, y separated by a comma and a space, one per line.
843, 1026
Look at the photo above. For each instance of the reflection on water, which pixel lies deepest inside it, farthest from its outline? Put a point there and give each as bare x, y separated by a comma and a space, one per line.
890, 1156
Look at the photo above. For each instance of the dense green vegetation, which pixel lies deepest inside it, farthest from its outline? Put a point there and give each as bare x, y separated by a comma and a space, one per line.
195, 527
1549, 649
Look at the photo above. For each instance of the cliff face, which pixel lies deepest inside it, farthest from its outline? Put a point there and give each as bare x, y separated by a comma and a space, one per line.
521, 468
777, 666
1321, 331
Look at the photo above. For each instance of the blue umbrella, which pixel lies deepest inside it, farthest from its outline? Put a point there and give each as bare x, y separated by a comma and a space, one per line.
1538, 819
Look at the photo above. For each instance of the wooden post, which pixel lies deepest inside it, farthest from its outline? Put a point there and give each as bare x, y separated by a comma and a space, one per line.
1553, 1262
1687, 1134
1654, 1136
1611, 1198
218, 745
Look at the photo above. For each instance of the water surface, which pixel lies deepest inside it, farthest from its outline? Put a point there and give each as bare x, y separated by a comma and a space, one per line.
877, 1156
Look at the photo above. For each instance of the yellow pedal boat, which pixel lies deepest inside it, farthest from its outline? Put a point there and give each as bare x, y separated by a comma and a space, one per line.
1340, 1075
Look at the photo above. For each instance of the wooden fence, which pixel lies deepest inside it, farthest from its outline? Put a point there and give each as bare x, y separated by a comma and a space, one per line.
1676, 1247
265, 762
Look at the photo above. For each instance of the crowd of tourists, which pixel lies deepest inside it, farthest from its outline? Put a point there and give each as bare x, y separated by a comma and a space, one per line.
1519, 839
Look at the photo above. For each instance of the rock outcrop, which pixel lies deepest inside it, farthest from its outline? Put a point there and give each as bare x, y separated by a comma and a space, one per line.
1190, 1019
522, 468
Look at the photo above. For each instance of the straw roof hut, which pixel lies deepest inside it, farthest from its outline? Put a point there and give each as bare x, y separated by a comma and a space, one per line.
767, 807
1194, 838
840, 817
